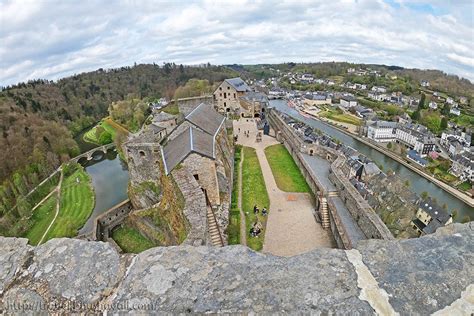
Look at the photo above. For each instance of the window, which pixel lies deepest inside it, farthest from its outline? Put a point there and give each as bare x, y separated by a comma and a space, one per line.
228, 88
142, 153
196, 176
225, 95
234, 96
220, 88
220, 94
225, 104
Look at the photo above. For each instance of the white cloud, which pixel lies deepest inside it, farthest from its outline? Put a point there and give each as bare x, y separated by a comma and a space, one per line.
51, 39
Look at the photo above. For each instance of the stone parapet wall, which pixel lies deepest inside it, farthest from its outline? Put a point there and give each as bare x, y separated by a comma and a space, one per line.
368, 221
105, 223
419, 276
365, 217
195, 208
186, 105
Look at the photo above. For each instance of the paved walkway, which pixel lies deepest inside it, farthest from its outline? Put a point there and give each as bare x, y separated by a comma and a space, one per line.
291, 227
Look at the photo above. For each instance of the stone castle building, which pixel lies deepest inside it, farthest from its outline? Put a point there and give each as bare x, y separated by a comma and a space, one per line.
234, 96
226, 96
192, 159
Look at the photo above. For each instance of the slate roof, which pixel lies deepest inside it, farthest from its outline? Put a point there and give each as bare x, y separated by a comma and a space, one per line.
206, 118
192, 140
163, 116
371, 169
255, 96
148, 135
238, 84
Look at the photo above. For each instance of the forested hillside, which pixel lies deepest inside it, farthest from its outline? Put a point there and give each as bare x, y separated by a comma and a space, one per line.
39, 119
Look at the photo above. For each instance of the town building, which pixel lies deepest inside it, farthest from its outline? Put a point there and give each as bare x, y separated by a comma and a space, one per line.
413, 136
227, 95
382, 131
433, 105
379, 89
455, 111
348, 101
429, 217
425, 83
463, 167
448, 136
316, 99
377, 96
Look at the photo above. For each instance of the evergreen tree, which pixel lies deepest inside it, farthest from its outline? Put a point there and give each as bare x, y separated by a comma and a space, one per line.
421, 104
444, 123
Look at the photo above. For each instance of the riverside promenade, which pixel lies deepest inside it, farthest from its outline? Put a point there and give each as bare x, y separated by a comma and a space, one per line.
456, 193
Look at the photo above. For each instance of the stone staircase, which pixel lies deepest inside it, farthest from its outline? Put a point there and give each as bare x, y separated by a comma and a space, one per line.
214, 233
324, 212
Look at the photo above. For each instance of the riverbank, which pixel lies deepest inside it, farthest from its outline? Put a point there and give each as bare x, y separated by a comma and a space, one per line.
447, 188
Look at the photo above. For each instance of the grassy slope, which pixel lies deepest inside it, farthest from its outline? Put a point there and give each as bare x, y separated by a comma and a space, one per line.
171, 108
90, 136
254, 192
343, 118
42, 216
76, 205
285, 171
130, 240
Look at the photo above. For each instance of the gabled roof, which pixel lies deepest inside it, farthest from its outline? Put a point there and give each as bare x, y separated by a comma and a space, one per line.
238, 84
163, 116
206, 118
189, 141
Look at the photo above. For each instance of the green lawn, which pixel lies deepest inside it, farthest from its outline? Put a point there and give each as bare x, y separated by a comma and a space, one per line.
254, 192
285, 171
42, 216
130, 240
465, 186
233, 230
340, 117
94, 134
171, 109
76, 205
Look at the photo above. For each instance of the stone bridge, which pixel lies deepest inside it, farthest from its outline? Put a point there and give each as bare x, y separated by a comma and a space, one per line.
89, 154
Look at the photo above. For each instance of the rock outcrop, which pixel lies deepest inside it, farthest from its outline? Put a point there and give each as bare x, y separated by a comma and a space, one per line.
415, 276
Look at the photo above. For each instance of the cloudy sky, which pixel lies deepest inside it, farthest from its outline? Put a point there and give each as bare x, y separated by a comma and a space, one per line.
52, 39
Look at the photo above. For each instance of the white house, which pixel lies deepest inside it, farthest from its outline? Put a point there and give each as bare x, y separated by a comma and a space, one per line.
378, 96
379, 89
348, 101
382, 131
455, 111
425, 83
433, 105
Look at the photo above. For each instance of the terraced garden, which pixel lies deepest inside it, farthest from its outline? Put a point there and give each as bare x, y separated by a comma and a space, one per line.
254, 192
41, 218
287, 175
76, 204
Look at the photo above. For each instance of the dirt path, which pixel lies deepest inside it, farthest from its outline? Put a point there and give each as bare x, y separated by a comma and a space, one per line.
58, 191
291, 227
243, 227
44, 199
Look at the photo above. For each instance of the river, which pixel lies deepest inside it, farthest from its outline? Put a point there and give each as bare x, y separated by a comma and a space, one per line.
109, 178
418, 184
